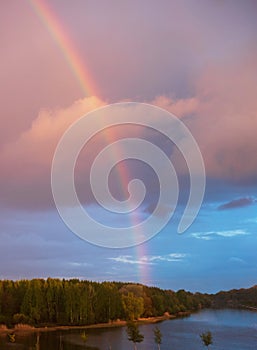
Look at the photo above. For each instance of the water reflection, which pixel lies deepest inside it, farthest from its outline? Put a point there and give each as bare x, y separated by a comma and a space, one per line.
231, 329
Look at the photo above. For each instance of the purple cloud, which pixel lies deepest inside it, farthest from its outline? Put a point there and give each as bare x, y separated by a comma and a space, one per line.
238, 203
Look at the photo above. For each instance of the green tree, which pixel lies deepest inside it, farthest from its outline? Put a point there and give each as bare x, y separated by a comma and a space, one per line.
206, 338
133, 334
133, 306
158, 337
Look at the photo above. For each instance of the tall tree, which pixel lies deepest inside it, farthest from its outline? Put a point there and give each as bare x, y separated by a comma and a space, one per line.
206, 338
158, 337
134, 334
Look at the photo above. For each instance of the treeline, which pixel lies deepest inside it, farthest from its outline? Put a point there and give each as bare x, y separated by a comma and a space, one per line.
236, 298
41, 302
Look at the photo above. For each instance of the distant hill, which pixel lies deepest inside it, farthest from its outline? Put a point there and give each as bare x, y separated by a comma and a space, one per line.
236, 298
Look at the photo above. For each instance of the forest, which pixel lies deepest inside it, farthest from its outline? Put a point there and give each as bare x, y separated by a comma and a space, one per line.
41, 302
46, 302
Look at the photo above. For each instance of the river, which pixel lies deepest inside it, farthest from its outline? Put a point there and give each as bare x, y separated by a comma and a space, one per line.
231, 330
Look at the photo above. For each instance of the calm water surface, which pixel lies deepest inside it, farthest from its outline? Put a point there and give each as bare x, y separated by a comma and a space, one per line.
231, 329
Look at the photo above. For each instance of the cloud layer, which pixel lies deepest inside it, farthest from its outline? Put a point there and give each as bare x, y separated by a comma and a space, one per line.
221, 116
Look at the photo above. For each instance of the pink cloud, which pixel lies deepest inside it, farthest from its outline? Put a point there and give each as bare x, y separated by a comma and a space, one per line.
226, 121
221, 116
178, 107
26, 162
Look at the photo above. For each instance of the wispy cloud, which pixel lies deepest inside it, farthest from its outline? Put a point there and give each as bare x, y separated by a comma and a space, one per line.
252, 220
237, 260
212, 234
128, 259
168, 257
149, 259
79, 264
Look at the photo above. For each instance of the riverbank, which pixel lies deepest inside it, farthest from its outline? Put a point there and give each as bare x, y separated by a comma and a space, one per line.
119, 323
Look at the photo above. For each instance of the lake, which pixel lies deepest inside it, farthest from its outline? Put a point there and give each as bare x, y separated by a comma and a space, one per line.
231, 329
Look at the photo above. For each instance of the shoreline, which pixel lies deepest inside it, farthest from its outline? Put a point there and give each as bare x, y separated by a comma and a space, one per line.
119, 323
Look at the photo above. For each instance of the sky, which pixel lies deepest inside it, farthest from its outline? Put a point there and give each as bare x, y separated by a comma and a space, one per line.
196, 59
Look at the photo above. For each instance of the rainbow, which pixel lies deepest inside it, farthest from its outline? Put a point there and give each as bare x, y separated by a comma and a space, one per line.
77, 66
61, 37
65, 44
